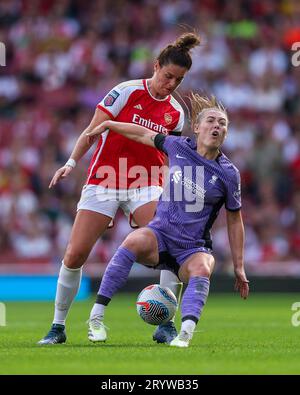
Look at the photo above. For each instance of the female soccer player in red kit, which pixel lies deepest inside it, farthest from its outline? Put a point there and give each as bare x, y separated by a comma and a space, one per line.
121, 175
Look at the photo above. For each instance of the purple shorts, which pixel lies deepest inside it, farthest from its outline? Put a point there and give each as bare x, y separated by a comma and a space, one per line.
179, 253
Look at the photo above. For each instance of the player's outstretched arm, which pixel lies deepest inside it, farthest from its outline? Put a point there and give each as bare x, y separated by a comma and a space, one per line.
81, 147
236, 235
134, 132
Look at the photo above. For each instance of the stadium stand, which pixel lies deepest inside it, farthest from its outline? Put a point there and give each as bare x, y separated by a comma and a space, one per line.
63, 56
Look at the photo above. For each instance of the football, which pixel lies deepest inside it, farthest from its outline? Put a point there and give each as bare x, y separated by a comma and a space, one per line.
156, 305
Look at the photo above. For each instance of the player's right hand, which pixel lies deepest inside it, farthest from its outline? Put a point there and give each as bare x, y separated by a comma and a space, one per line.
63, 172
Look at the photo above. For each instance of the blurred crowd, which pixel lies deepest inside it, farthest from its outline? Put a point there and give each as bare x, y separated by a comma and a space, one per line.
63, 56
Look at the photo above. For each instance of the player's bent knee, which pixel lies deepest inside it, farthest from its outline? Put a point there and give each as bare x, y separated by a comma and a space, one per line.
198, 270
74, 259
139, 244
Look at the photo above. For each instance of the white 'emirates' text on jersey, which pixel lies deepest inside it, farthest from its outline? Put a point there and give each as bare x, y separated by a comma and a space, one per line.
121, 163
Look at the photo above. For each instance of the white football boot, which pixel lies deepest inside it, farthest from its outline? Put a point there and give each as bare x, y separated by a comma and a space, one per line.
97, 330
182, 340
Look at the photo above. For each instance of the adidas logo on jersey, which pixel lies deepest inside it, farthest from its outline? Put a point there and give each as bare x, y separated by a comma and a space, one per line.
138, 107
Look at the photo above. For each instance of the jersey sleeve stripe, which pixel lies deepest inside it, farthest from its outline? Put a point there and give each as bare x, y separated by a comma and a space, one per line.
106, 111
104, 137
159, 140
175, 104
233, 209
132, 83
178, 107
175, 133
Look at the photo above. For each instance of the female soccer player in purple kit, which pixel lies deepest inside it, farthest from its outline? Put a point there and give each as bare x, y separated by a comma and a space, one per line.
201, 180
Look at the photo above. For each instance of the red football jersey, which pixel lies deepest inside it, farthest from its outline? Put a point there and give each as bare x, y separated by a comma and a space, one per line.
121, 163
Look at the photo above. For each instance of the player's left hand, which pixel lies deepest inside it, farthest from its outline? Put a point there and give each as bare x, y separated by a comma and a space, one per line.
91, 139
241, 284
96, 131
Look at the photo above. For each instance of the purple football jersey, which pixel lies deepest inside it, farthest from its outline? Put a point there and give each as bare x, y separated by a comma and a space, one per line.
194, 192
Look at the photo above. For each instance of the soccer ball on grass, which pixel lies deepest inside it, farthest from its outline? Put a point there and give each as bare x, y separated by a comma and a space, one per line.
156, 305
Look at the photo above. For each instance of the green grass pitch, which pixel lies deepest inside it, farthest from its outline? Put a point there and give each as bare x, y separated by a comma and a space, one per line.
233, 337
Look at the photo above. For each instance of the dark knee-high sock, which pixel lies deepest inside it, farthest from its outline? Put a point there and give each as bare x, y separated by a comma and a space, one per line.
193, 300
114, 278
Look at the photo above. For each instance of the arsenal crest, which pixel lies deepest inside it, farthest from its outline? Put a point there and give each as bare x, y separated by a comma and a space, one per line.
168, 118
111, 98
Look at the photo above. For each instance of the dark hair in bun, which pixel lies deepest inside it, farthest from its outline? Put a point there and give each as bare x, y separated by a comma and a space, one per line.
179, 52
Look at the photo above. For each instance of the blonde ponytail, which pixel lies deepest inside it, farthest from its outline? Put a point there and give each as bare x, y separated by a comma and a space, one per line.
199, 104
